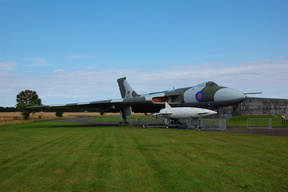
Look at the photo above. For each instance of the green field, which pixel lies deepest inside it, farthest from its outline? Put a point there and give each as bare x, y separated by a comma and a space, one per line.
58, 156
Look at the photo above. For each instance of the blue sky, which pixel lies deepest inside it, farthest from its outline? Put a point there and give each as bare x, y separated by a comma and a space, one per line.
74, 51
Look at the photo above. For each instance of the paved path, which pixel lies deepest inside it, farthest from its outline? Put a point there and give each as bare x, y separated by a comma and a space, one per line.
274, 132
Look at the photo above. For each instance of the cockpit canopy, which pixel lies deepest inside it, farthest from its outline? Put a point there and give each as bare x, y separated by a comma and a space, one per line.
207, 84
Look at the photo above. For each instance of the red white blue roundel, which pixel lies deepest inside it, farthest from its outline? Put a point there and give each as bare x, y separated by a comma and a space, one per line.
199, 96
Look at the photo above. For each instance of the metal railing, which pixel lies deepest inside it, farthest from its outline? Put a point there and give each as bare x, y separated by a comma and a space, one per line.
205, 124
259, 123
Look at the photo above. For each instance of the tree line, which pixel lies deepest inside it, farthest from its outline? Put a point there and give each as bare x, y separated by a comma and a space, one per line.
8, 109
13, 109
28, 98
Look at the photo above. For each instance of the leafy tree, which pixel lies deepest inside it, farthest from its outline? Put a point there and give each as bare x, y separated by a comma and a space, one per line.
25, 99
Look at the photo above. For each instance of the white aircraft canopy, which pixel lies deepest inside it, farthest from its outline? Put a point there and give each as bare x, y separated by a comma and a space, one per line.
207, 84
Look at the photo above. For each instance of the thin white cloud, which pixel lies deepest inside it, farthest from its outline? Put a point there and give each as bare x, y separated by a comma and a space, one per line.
35, 61
283, 56
59, 71
7, 66
214, 55
80, 56
208, 56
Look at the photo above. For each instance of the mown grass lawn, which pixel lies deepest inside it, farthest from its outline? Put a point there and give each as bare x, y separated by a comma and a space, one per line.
58, 156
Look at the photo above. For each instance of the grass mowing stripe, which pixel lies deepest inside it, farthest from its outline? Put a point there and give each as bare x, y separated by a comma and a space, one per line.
158, 170
120, 167
173, 163
79, 162
61, 161
32, 159
136, 170
214, 159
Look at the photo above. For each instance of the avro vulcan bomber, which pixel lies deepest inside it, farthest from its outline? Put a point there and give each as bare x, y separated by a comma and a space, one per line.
207, 95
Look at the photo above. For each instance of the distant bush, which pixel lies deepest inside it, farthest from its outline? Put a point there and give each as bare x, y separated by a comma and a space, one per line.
59, 113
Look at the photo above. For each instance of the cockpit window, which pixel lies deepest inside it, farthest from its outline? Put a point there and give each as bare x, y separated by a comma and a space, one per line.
207, 84
210, 84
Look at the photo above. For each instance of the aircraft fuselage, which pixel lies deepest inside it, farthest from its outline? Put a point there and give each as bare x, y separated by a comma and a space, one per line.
205, 95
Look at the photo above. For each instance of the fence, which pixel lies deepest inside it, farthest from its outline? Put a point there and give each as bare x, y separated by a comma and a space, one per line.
284, 121
259, 123
214, 124
205, 124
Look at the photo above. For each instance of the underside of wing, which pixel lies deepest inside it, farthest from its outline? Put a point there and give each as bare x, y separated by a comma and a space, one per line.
92, 104
152, 102
138, 104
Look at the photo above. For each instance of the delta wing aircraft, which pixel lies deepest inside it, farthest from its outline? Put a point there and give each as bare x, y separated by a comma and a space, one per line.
205, 95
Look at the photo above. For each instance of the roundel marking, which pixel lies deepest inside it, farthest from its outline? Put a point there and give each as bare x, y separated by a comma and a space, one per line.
199, 96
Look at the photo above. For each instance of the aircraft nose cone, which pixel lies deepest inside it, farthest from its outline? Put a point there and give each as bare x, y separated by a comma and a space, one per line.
205, 112
212, 112
228, 94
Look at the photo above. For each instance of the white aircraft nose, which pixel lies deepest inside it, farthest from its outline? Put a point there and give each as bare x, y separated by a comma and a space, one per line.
205, 112
228, 94
212, 112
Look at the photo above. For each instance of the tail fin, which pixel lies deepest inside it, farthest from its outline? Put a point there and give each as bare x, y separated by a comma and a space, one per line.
167, 106
125, 88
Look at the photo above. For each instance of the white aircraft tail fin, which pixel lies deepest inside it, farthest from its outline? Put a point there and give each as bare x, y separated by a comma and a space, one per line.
125, 88
167, 106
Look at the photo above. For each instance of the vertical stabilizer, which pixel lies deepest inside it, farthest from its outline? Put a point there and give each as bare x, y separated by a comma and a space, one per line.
125, 88
167, 106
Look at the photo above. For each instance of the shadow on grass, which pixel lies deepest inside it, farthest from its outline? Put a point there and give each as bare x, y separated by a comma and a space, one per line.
75, 125
63, 123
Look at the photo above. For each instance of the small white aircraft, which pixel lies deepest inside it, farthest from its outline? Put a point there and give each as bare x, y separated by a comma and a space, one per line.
191, 114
